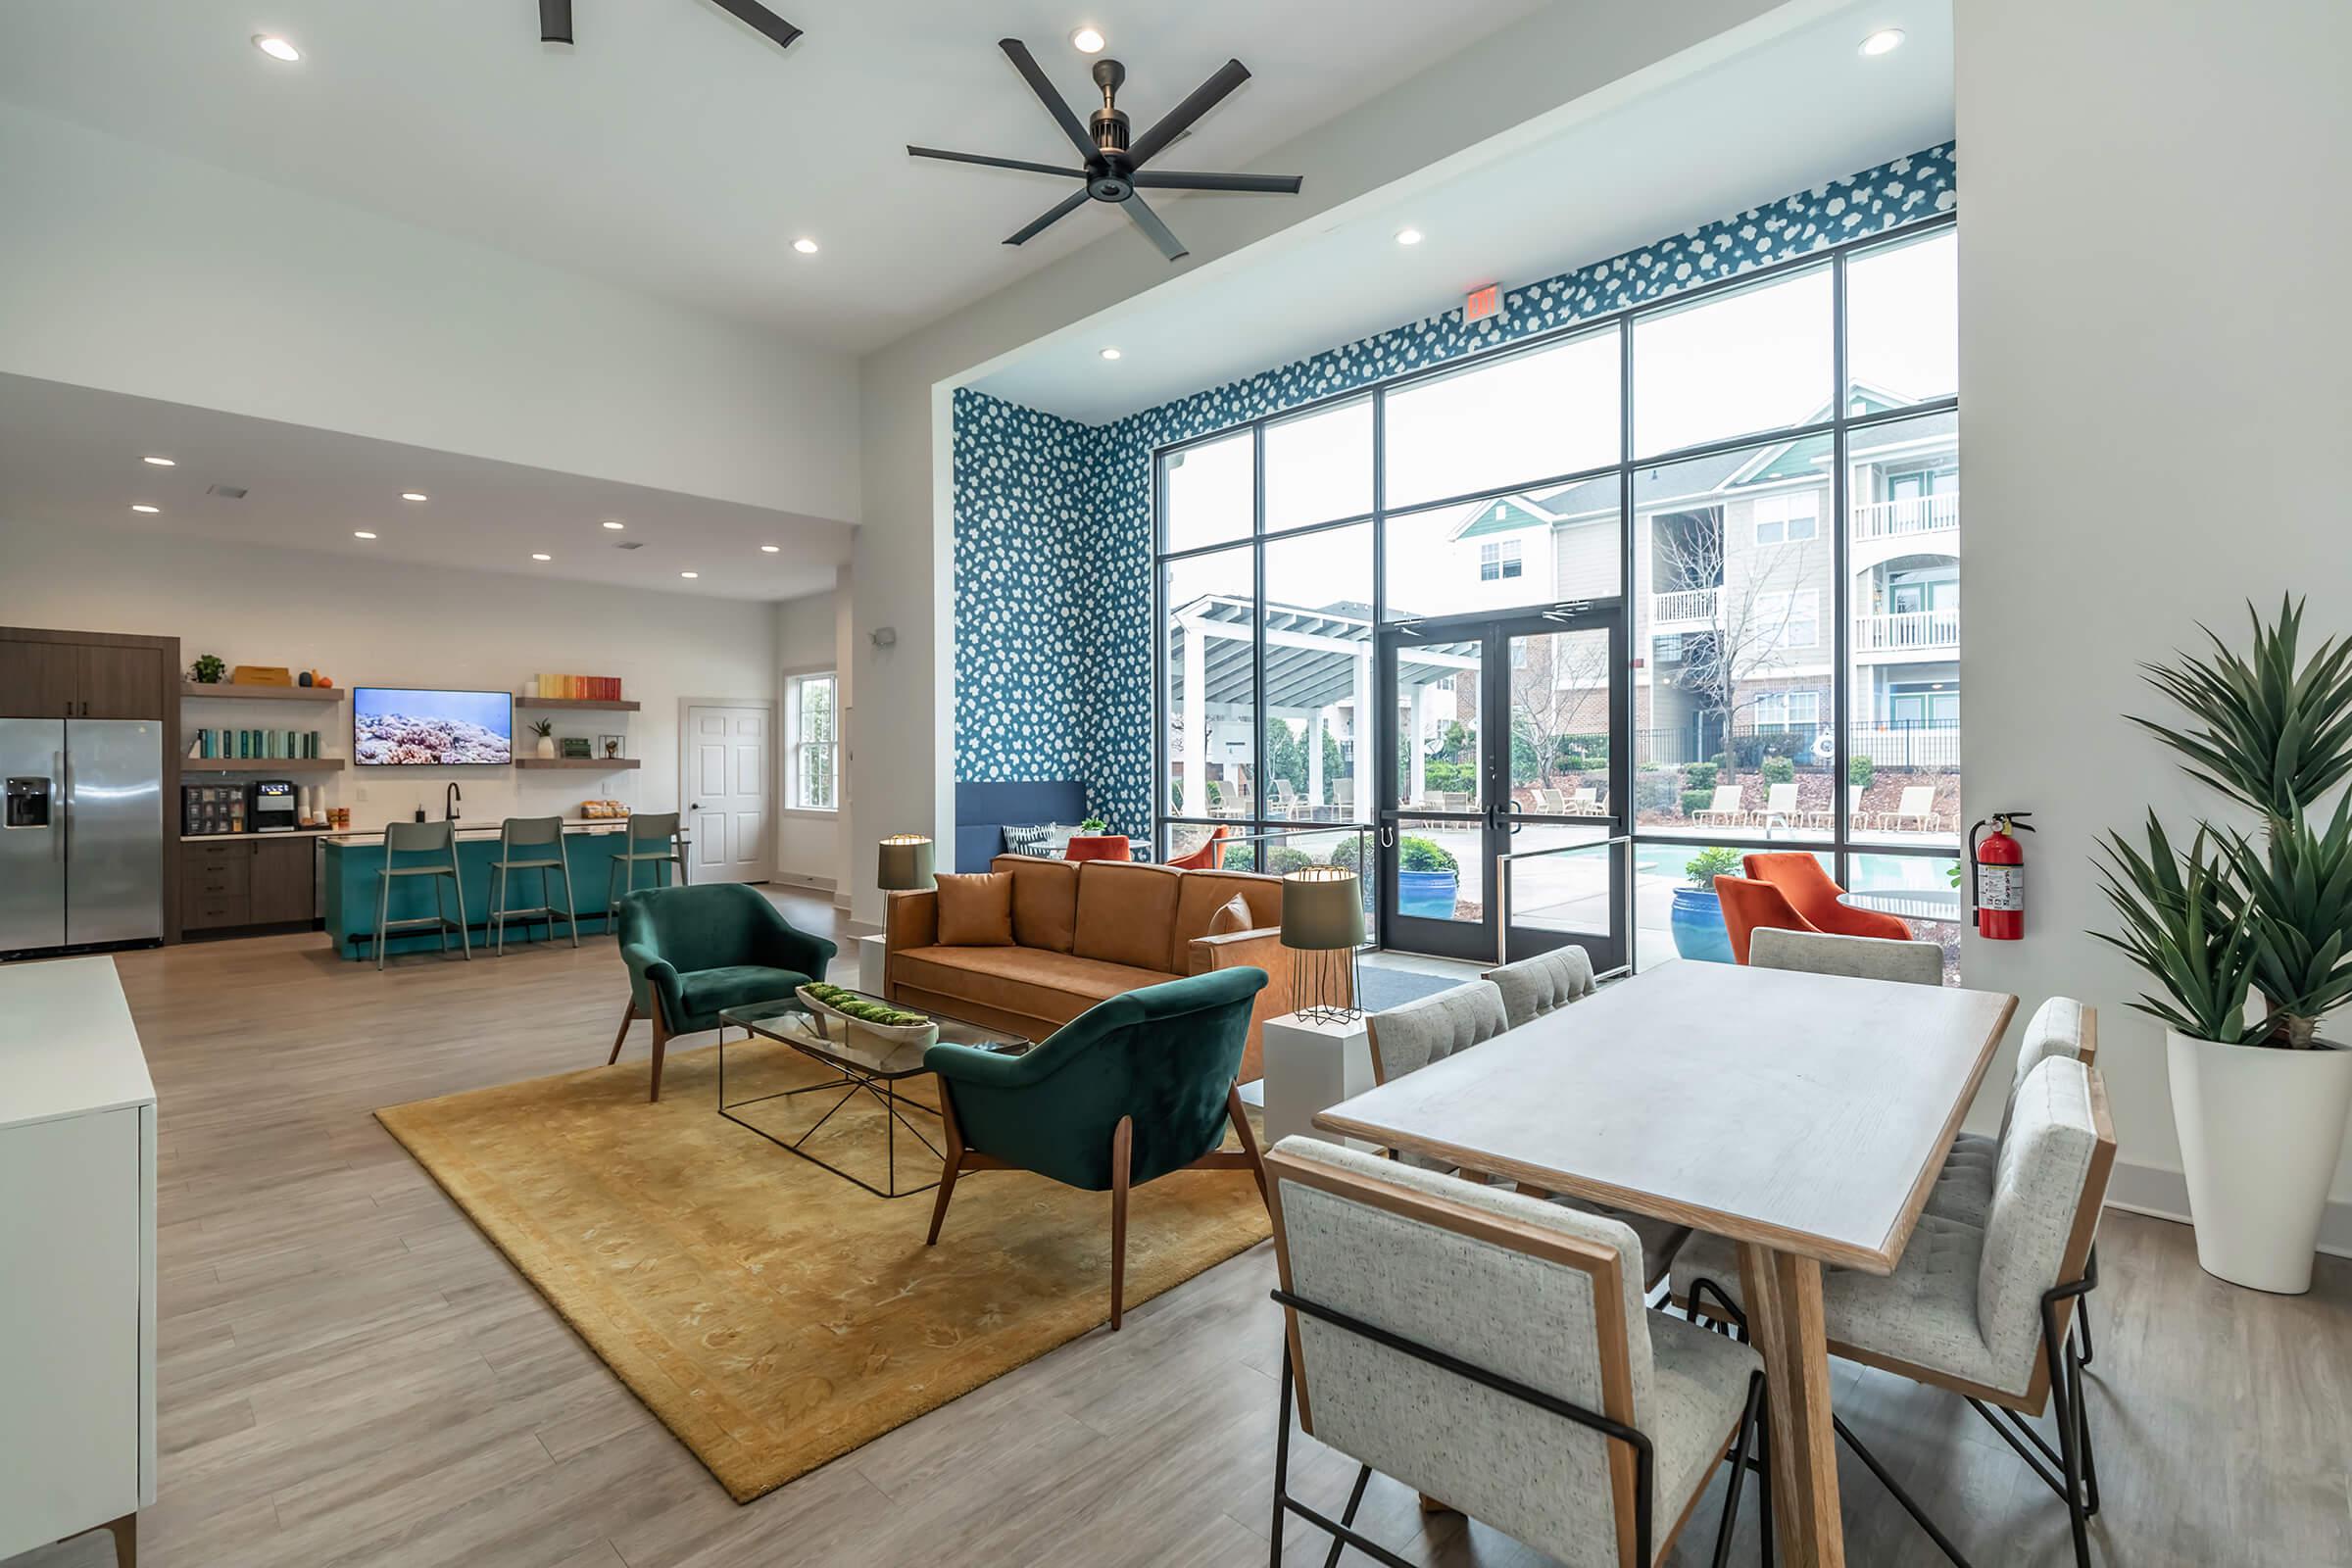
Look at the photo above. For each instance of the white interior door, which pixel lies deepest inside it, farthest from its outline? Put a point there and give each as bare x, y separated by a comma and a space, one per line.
727, 809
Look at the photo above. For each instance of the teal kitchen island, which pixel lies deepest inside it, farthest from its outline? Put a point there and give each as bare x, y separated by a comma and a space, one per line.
353, 859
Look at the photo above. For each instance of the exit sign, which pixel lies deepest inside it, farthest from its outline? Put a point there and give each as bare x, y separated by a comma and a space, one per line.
1483, 303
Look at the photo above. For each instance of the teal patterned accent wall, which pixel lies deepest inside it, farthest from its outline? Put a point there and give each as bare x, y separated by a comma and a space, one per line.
1092, 607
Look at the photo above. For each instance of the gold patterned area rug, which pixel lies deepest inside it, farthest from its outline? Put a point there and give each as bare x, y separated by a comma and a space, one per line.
772, 1314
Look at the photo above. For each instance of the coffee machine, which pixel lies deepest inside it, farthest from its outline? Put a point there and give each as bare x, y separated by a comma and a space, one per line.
274, 807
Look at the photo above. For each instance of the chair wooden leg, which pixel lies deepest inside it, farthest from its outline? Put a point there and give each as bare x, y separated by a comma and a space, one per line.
1122, 1145
661, 1047
951, 1163
628, 1016
1239, 1114
125, 1532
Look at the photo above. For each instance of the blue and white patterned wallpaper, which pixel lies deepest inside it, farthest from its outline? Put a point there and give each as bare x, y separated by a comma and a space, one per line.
1094, 715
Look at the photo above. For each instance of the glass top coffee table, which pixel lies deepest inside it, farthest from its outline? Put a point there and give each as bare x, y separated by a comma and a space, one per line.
863, 1065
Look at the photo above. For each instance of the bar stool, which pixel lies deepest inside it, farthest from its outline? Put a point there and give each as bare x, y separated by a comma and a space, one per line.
645, 827
419, 838
530, 833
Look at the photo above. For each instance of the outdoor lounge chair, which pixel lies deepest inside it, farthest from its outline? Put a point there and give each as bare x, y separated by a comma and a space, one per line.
1586, 803
1726, 811
1780, 806
1918, 808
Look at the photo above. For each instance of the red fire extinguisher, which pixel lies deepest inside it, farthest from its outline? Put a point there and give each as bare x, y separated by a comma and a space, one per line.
1998, 876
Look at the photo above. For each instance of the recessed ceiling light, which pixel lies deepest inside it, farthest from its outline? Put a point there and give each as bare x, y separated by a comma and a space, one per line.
1110, 354
690, 574
415, 495
538, 556
144, 507
1409, 236
1884, 42
161, 463
804, 245
360, 533
770, 549
1088, 41
276, 48
613, 526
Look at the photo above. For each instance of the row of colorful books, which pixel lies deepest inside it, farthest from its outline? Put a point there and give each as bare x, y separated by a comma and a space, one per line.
260, 744
581, 687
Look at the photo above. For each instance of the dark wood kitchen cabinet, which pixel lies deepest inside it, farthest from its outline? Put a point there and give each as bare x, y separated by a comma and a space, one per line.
123, 682
229, 883
60, 678
38, 680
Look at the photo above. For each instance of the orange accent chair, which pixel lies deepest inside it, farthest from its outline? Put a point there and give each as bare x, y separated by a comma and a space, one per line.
1810, 891
1099, 847
1750, 905
1208, 856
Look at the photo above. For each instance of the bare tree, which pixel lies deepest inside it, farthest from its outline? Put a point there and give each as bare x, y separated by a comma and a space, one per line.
1561, 688
1746, 635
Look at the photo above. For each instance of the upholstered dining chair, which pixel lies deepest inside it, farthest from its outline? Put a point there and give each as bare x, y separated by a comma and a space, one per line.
1128, 1090
1494, 1351
694, 951
1917, 963
1408, 1038
1982, 1309
1210, 852
1812, 894
1750, 905
1545, 983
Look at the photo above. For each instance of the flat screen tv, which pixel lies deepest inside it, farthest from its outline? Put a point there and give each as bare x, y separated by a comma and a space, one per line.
401, 727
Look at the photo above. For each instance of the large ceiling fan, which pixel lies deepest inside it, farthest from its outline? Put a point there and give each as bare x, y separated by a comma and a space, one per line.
555, 21
1114, 169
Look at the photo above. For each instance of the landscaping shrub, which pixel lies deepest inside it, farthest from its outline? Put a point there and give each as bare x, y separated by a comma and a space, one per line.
1656, 789
1572, 762
1858, 771
1349, 855
1461, 776
1283, 860
1424, 854
1706, 866
1779, 771
1696, 801
1700, 776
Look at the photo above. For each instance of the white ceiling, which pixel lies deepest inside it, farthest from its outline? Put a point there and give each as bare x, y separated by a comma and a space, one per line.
1790, 113
678, 152
73, 458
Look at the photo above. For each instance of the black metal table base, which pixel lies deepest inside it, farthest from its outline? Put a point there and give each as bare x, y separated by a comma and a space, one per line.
852, 1084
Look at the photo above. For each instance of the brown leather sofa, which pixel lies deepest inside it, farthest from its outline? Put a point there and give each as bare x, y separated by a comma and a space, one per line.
1083, 932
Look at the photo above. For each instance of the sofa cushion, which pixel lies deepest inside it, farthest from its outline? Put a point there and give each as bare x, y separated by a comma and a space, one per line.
1125, 909
1045, 901
976, 910
706, 991
1028, 981
1232, 916
1204, 893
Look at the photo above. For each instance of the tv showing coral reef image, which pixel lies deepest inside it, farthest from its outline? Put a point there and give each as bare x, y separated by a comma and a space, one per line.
398, 726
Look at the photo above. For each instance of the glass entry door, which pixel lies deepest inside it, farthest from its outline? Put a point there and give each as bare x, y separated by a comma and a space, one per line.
1505, 777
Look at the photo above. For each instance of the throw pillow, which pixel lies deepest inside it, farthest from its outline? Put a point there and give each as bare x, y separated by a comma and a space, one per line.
1027, 840
1233, 916
976, 912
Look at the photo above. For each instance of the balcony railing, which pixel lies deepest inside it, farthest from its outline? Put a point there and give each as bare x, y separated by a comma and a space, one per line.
1684, 603
1907, 632
1912, 515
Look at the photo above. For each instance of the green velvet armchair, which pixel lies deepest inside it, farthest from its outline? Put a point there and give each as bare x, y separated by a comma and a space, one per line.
1128, 1090
693, 951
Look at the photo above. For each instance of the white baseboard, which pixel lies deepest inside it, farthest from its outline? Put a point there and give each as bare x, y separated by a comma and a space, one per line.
2164, 1195
796, 879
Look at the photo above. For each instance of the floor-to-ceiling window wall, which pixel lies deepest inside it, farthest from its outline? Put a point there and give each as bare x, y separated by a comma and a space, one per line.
1763, 472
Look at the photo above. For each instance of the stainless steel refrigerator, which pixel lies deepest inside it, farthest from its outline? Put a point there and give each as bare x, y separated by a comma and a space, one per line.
81, 841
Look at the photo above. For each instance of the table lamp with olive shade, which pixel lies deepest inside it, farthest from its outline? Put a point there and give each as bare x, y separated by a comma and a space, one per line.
905, 863
1323, 917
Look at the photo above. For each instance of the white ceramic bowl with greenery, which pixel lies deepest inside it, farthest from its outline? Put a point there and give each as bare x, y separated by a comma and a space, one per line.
830, 1018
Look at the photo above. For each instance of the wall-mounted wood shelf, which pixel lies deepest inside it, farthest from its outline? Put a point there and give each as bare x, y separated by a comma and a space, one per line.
278, 694
612, 705
605, 764
261, 764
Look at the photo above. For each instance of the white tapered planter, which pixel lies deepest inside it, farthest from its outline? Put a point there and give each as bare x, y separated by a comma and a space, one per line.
2261, 1131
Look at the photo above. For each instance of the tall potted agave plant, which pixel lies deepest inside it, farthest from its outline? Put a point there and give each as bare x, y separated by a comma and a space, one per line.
2258, 1099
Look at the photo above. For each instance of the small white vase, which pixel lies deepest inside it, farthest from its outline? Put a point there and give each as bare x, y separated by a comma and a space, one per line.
547, 745
2261, 1131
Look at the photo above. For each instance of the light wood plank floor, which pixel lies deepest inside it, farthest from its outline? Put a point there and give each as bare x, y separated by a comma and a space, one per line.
351, 1375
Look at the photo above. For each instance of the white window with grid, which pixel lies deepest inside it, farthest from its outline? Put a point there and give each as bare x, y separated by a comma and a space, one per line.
1499, 559
1791, 519
813, 730
1788, 621
1787, 709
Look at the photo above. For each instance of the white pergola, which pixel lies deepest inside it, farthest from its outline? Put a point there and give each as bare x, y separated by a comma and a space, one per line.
1315, 660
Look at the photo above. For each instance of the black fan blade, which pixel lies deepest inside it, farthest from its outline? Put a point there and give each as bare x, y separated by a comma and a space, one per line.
1174, 180
760, 17
1053, 215
1179, 119
555, 21
995, 162
1055, 105
1148, 221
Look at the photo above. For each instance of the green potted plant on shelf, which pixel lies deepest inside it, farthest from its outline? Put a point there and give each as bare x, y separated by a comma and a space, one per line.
545, 729
2259, 1100
1695, 921
207, 670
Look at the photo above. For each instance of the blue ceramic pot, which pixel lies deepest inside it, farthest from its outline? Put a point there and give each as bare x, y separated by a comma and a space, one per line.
1697, 926
1430, 894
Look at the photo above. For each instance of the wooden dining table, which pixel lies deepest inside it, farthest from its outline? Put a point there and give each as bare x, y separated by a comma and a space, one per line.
1802, 1117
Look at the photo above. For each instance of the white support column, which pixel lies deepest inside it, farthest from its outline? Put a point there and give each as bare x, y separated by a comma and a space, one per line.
1314, 754
1419, 785
1367, 740
1196, 719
